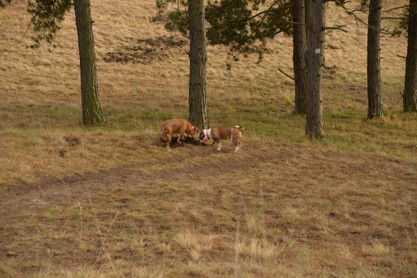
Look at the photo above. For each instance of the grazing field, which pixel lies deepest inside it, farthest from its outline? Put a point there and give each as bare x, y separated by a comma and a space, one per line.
111, 201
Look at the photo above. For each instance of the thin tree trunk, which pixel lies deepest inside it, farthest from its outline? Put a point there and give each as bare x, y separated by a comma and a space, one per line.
410, 83
198, 59
375, 107
315, 26
92, 112
323, 35
299, 52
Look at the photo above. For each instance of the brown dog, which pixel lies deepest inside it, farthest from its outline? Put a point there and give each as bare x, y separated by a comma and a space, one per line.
222, 132
176, 126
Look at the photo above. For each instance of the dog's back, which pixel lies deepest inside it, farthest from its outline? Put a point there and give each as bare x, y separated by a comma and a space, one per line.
226, 132
175, 126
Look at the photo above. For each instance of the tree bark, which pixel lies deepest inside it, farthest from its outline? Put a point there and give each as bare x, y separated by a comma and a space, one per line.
299, 53
91, 109
198, 59
410, 83
315, 27
375, 106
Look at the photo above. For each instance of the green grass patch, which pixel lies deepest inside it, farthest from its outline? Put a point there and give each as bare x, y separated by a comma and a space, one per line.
347, 129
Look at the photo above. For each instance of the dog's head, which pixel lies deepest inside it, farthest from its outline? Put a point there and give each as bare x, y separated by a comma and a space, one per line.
204, 136
192, 130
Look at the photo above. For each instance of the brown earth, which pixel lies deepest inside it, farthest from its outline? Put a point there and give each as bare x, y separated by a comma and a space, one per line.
299, 198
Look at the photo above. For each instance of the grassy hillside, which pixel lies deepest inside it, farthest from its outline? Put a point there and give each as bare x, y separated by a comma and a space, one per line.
110, 201
41, 98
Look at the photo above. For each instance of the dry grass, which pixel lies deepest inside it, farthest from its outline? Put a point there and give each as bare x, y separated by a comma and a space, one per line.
157, 221
109, 201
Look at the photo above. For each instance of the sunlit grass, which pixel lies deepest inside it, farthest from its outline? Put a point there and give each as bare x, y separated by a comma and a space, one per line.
31, 131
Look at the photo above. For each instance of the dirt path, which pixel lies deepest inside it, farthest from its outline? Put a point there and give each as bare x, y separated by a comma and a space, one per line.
51, 190
15, 197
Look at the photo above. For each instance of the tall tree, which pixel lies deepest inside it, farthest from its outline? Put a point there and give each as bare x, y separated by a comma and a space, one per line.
375, 106
46, 19
299, 52
315, 29
410, 83
92, 112
189, 18
198, 59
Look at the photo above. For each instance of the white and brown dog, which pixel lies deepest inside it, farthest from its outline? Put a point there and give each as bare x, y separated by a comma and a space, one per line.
222, 132
176, 126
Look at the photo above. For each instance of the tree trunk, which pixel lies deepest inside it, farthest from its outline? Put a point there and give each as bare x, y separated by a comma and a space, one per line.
92, 112
410, 84
299, 52
375, 107
315, 27
198, 58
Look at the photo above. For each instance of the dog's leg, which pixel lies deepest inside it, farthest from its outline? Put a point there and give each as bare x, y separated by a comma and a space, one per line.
168, 140
219, 146
180, 137
236, 140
